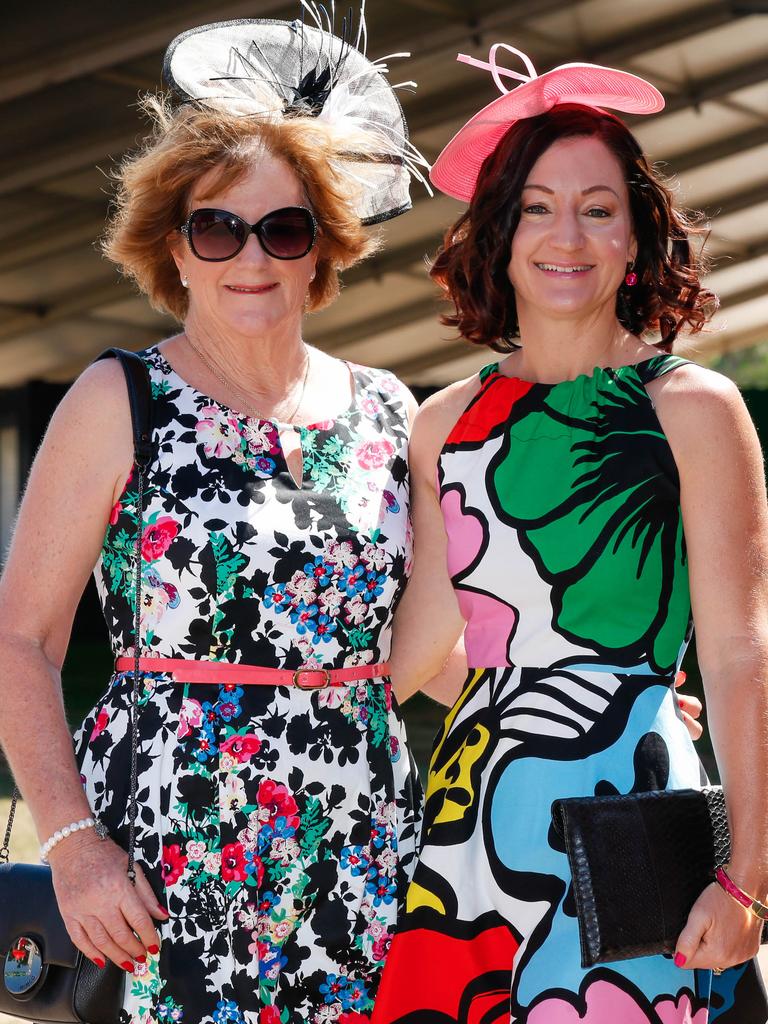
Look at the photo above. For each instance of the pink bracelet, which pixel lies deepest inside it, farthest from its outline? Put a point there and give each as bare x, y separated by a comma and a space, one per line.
758, 909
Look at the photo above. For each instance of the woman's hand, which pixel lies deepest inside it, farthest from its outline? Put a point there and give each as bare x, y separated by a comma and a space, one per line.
690, 708
719, 933
105, 915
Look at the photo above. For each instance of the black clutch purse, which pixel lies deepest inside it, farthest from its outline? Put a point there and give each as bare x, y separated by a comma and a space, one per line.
639, 862
44, 976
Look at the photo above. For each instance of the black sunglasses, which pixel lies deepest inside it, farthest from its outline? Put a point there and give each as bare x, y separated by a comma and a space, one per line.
216, 235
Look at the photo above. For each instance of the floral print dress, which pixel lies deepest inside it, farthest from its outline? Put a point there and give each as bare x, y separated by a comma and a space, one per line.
561, 504
278, 826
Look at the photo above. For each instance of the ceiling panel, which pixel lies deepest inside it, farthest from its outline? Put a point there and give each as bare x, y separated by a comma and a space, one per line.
68, 88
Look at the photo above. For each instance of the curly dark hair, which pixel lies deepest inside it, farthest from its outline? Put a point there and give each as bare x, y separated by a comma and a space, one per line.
471, 265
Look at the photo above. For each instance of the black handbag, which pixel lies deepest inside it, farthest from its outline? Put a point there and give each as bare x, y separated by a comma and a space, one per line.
639, 862
45, 977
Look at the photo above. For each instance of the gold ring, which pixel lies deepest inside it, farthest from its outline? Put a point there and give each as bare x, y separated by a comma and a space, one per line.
718, 970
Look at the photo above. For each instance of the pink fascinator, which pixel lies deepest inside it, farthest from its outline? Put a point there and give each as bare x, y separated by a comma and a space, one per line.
456, 169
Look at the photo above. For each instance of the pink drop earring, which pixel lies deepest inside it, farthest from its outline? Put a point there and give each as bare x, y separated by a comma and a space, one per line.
631, 279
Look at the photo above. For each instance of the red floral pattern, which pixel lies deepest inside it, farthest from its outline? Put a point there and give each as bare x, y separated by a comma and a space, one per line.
233, 863
174, 863
157, 538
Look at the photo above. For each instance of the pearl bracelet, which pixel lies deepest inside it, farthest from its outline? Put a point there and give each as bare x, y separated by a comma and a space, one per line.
62, 833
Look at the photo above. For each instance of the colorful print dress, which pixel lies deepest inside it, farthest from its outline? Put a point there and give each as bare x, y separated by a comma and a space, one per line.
278, 826
565, 546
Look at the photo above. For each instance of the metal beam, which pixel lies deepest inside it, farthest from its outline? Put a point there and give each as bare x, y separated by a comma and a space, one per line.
74, 228
424, 114
406, 368
153, 34
722, 343
738, 201
19, 320
99, 294
752, 251
731, 145
91, 54
52, 163
402, 258
337, 339
755, 291
9, 310
661, 32
84, 227
87, 151
440, 7
394, 260
127, 79
714, 87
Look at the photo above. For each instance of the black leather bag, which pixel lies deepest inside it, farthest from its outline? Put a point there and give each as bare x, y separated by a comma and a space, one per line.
639, 862
44, 976
37, 951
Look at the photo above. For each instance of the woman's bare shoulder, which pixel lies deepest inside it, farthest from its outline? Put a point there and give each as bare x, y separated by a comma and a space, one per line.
702, 413
690, 395
101, 383
437, 416
93, 418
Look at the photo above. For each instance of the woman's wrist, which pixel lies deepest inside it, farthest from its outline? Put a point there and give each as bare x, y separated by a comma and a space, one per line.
70, 841
752, 899
66, 831
749, 877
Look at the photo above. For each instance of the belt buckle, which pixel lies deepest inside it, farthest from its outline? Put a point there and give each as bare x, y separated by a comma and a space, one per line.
326, 682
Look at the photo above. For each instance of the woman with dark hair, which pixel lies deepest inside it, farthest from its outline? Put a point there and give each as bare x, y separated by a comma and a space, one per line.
573, 503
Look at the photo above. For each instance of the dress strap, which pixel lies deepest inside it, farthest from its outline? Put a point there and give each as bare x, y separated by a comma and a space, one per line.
486, 372
658, 366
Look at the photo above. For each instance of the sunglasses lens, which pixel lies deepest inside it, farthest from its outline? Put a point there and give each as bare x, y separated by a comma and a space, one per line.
215, 234
287, 234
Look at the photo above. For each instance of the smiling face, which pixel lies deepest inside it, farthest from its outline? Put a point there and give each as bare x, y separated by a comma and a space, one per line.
571, 248
252, 293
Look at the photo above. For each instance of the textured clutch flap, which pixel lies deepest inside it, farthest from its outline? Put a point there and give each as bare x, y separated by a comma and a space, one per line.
639, 862
28, 907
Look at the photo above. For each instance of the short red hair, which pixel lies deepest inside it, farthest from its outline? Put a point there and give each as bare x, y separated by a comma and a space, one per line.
154, 187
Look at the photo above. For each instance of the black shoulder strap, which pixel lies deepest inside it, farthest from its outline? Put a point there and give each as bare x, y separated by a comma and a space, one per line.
658, 366
140, 398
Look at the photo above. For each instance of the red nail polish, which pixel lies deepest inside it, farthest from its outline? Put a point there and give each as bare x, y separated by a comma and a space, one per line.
680, 960
141, 959
162, 910
127, 966
154, 950
99, 963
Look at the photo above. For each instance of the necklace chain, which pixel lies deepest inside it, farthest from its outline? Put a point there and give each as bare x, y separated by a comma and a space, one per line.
248, 407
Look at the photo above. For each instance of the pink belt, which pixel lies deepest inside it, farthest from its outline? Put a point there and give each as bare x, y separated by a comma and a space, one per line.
193, 671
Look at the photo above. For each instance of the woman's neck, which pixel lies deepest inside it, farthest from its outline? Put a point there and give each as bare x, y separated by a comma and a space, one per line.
264, 368
553, 350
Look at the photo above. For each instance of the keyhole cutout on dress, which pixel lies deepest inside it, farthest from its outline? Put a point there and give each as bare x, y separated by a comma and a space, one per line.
290, 442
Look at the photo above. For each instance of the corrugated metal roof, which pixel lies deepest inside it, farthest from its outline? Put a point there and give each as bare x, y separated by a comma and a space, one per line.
68, 87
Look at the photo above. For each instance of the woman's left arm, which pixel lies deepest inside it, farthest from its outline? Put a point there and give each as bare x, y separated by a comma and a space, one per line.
725, 517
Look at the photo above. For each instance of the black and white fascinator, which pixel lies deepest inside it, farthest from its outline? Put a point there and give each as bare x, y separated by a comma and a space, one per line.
277, 69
